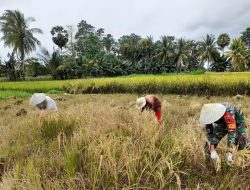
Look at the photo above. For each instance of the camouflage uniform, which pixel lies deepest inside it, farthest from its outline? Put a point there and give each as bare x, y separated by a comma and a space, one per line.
233, 124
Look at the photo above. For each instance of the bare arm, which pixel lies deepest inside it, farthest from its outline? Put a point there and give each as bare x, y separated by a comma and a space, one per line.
211, 147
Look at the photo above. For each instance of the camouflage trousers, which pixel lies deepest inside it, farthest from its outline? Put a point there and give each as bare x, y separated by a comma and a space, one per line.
219, 131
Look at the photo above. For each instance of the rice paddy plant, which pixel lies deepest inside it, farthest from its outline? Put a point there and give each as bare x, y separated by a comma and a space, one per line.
11, 93
172, 84
104, 142
221, 84
52, 126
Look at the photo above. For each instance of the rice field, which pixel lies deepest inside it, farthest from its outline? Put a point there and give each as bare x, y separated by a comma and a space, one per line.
103, 142
221, 84
99, 140
10, 94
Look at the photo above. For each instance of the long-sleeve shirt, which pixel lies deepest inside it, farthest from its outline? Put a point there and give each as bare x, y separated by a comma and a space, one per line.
231, 120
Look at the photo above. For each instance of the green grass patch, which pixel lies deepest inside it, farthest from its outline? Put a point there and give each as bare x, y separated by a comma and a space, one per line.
11, 93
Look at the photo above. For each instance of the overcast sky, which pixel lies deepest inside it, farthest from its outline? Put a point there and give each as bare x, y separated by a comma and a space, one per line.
191, 19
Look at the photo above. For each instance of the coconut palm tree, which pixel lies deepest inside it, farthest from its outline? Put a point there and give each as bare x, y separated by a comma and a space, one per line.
223, 41
17, 34
166, 51
238, 54
208, 50
146, 46
182, 52
51, 61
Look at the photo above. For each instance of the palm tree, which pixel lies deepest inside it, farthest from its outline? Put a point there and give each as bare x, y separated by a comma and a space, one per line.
238, 54
166, 51
60, 36
146, 46
223, 41
208, 50
17, 34
182, 53
51, 61
109, 43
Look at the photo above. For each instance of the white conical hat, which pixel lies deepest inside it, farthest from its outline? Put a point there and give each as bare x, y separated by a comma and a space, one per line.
140, 102
211, 113
37, 98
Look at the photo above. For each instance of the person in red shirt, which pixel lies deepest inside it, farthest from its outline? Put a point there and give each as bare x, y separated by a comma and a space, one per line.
150, 102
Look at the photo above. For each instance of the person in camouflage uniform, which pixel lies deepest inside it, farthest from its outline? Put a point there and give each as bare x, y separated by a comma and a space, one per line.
232, 123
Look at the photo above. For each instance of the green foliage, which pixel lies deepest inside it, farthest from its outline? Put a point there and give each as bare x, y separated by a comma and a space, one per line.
246, 36
109, 43
129, 47
90, 46
2, 69
238, 54
23, 42
146, 46
54, 64
220, 63
182, 53
84, 30
166, 49
69, 69
208, 50
223, 40
34, 68
51, 62
59, 36
11, 68
92, 53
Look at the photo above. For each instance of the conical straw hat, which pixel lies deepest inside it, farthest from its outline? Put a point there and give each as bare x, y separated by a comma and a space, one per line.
37, 98
211, 113
140, 102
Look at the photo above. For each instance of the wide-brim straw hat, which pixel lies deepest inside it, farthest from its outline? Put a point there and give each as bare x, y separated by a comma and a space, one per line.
37, 98
141, 102
211, 113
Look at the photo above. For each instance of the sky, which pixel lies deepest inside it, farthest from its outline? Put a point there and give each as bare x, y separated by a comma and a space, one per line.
191, 19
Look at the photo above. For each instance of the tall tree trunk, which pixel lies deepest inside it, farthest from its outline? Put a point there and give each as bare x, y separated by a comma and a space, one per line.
22, 77
11, 67
208, 64
222, 51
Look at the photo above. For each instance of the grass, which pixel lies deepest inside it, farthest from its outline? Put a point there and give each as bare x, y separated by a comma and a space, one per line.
11, 93
103, 142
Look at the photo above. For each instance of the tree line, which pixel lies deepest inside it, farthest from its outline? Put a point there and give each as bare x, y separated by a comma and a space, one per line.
89, 52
